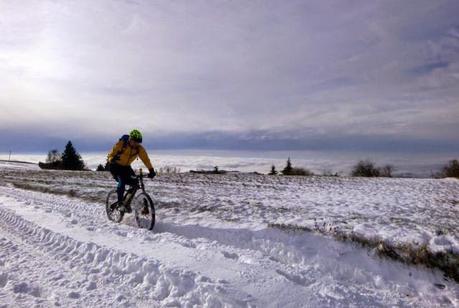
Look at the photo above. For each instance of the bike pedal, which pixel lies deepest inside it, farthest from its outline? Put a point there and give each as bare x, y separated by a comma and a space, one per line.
123, 208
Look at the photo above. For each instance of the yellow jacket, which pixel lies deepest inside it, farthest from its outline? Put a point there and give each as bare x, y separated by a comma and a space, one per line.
128, 155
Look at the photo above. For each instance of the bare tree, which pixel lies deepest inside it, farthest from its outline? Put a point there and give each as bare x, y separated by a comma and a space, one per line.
53, 156
386, 171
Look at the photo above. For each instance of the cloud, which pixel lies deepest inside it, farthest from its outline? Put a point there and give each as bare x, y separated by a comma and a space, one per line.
376, 68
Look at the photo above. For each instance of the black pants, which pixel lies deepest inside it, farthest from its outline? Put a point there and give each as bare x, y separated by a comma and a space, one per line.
124, 175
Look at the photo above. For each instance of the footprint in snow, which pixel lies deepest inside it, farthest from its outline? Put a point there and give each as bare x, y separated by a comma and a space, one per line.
23, 287
121, 233
230, 255
74, 295
297, 279
3, 279
91, 286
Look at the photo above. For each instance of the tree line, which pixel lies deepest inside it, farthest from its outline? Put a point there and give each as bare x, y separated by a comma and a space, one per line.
367, 168
70, 159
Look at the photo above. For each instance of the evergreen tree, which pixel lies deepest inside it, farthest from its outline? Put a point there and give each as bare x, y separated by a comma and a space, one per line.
273, 170
288, 169
71, 160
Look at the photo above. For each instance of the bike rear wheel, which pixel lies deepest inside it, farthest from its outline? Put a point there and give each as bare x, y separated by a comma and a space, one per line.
111, 207
144, 211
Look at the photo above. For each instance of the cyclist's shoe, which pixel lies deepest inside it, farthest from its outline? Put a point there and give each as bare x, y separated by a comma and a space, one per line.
113, 206
124, 208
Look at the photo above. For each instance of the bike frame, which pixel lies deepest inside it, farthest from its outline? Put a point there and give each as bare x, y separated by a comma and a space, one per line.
135, 189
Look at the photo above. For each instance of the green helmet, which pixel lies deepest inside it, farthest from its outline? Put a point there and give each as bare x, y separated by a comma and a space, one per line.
136, 135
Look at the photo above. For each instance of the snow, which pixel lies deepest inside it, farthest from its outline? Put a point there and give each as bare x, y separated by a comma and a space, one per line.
214, 243
18, 165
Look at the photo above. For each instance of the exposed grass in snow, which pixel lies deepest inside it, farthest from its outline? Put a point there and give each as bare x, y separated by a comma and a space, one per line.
447, 261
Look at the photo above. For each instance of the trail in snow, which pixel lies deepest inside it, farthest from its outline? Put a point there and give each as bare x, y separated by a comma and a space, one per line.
63, 251
400, 212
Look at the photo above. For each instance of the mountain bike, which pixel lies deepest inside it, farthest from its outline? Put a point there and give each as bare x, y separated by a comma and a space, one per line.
141, 204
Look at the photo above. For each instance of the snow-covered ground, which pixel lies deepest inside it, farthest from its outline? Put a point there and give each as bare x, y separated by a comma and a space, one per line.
231, 240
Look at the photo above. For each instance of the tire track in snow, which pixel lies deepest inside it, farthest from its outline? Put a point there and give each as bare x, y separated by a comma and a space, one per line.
269, 243
241, 245
138, 277
247, 264
272, 244
308, 263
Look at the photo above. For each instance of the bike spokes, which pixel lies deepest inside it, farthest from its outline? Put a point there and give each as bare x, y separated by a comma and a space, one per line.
144, 211
113, 213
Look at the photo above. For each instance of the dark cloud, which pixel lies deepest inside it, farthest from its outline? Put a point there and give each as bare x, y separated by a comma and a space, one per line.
254, 140
427, 68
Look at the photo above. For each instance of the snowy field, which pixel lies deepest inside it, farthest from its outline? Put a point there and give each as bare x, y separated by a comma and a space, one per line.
227, 240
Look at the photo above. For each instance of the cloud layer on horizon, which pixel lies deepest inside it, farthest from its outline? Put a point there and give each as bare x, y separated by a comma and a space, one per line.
294, 70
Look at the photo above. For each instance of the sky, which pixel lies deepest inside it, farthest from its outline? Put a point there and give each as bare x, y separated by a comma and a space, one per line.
257, 75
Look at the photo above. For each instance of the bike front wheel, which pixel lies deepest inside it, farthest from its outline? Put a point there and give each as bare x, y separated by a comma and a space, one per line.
111, 207
144, 211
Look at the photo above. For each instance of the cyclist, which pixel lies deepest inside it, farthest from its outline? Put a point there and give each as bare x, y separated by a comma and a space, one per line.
125, 151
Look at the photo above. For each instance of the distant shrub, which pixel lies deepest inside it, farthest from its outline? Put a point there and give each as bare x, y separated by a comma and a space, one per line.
273, 170
301, 171
451, 170
53, 166
365, 168
216, 170
101, 167
289, 170
327, 172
